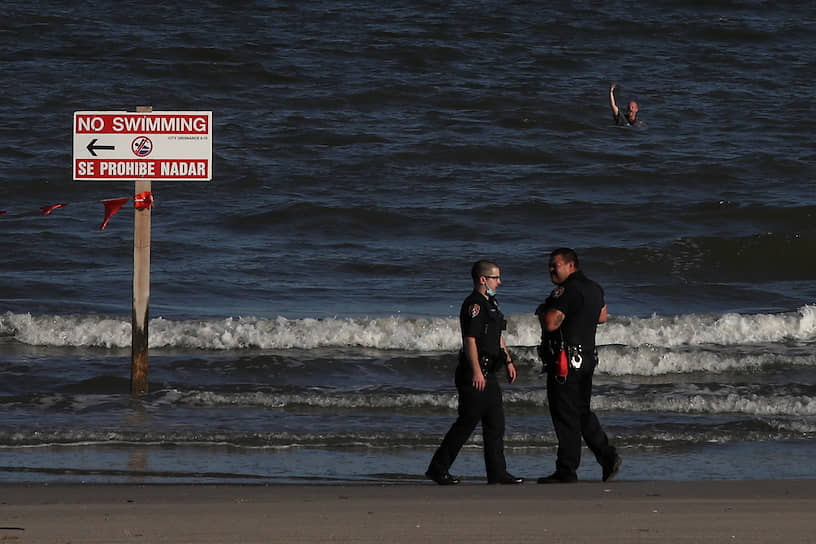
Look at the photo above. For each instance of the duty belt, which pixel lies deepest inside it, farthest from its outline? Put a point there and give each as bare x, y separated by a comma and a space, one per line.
575, 355
489, 363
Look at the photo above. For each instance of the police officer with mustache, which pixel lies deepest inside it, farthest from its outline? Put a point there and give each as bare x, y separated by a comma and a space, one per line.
569, 319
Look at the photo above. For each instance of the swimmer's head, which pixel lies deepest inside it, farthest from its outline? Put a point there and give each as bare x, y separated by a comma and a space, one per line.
633, 109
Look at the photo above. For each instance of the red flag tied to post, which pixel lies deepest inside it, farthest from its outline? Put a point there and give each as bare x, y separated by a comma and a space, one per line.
143, 201
111, 207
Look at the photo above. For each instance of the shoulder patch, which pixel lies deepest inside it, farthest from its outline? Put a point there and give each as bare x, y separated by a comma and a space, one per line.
473, 311
557, 292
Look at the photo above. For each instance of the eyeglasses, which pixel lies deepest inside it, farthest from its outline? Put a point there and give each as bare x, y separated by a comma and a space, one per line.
493, 277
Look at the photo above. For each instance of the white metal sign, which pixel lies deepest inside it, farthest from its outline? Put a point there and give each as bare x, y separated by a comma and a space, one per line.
157, 145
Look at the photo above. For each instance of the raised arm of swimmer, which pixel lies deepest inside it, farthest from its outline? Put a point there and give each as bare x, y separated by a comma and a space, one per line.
612, 104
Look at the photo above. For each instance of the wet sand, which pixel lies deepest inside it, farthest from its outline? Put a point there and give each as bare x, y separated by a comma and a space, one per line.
711, 511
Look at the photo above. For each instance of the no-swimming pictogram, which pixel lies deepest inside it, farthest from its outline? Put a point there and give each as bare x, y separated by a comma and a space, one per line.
141, 146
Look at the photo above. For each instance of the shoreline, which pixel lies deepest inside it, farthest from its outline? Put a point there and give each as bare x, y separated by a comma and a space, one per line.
640, 511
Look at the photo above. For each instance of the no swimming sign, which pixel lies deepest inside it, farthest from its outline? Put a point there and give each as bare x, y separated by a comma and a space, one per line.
156, 145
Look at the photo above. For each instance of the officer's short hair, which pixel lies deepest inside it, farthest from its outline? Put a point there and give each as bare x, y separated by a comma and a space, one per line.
481, 268
568, 254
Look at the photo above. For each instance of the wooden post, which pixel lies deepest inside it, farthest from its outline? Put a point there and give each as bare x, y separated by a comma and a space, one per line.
141, 289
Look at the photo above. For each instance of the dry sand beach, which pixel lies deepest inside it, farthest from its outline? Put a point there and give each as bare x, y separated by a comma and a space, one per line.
711, 511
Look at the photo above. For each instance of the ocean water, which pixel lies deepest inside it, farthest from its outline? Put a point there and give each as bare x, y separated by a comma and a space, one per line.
303, 303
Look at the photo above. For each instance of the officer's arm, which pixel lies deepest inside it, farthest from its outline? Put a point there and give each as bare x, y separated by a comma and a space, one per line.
603, 317
511, 368
472, 354
552, 319
508, 360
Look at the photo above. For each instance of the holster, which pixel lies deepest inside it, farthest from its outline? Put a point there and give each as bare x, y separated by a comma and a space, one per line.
549, 354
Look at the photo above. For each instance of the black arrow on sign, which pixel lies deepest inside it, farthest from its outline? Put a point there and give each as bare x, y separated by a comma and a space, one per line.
91, 147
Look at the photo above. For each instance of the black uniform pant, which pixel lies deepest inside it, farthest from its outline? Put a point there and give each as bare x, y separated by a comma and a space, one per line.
474, 407
573, 419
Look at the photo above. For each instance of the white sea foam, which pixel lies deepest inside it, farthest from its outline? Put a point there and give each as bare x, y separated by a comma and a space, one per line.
700, 329
618, 360
322, 400
399, 333
713, 403
702, 401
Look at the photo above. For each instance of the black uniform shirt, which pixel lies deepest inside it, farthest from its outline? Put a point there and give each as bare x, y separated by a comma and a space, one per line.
481, 318
580, 299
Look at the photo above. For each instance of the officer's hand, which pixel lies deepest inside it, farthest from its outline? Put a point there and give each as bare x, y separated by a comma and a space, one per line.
479, 381
511, 372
